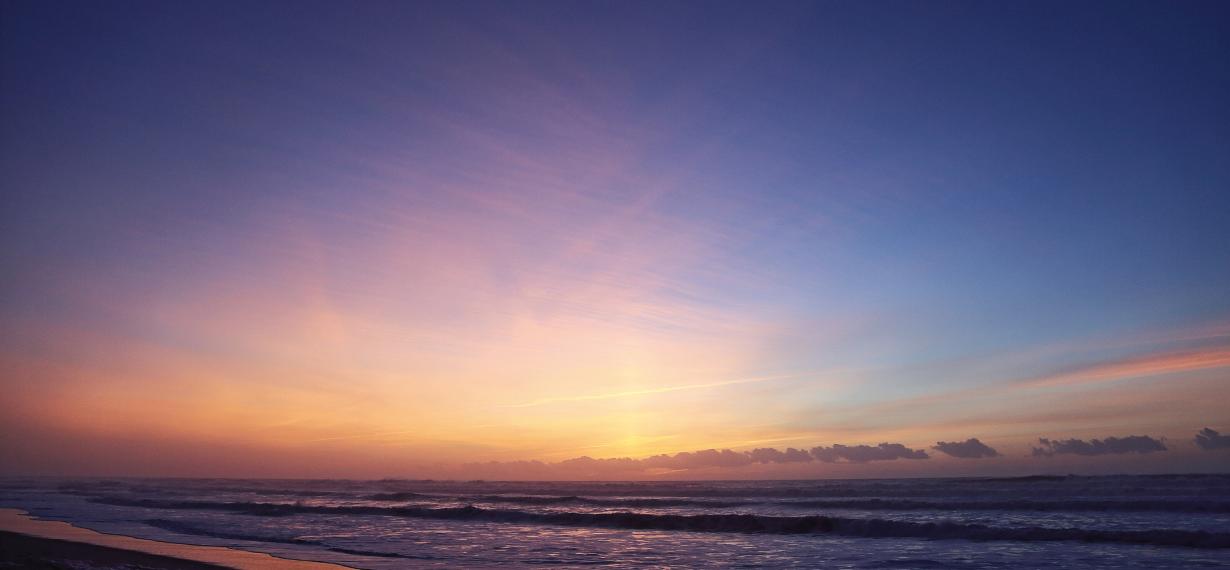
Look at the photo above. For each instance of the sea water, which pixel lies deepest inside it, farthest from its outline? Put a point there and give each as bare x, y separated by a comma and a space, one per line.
1161, 521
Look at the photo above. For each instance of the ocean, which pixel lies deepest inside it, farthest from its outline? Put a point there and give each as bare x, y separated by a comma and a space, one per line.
1159, 521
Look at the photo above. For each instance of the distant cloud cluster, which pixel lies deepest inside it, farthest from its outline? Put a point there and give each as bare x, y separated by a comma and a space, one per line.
968, 449
971, 448
1210, 440
727, 458
764, 455
770, 455
1108, 446
865, 453
698, 459
703, 459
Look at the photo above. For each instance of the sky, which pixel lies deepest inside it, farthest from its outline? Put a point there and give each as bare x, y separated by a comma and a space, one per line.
597, 239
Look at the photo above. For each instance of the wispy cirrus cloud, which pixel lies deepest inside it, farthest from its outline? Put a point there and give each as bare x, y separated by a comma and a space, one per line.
1093, 374
1136, 367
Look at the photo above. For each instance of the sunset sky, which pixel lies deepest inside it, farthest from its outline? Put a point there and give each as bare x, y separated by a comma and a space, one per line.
410, 239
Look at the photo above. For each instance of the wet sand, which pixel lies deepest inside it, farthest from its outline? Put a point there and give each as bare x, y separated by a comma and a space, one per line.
38, 544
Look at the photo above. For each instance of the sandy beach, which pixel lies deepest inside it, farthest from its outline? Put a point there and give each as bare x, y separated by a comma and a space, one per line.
30, 543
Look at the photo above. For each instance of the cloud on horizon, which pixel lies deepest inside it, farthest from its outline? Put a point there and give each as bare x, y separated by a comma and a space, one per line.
968, 449
698, 459
972, 448
1108, 446
1210, 440
771, 455
703, 459
865, 453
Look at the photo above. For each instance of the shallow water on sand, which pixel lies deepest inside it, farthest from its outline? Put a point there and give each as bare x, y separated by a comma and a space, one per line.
1173, 521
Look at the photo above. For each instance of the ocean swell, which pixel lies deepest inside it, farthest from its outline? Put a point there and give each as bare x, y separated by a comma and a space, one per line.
739, 523
1176, 506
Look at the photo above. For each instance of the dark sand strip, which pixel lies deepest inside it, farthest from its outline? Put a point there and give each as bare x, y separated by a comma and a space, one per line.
39, 544
22, 551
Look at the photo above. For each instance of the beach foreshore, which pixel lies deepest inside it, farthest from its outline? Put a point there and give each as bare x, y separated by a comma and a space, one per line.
26, 542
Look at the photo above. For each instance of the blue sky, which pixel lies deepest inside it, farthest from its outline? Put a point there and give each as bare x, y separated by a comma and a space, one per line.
312, 221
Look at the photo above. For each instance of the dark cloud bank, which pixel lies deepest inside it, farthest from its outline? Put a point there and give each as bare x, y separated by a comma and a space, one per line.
728, 458
1108, 446
865, 453
711, 458
1210, 440
971, 448
968, 449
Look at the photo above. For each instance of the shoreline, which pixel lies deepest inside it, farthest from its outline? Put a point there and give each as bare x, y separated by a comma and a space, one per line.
26, 541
